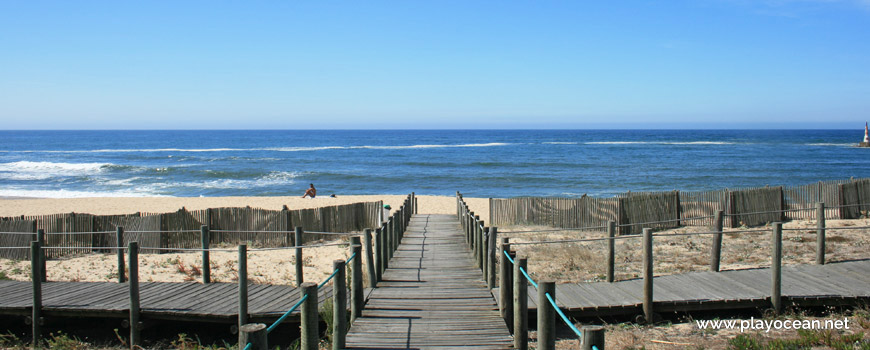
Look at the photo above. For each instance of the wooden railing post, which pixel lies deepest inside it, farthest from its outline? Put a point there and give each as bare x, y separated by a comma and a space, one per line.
119, 235
356, 281
592, 336
490, 253
308, 314
379, 251
820, 235
776, 268
521, 305
297, 241
471, 231
716, 248
648, 276
40, 237
36, 279
339, 305
505, 285
206, 241
369, 255
254, 333
546, 316
135, 325
611, 249
243, 290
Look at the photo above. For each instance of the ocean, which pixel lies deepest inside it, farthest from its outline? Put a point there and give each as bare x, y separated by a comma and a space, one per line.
480, 163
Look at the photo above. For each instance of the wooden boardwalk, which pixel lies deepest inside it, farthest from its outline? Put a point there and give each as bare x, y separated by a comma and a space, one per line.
431, 296
805, 285
196, 302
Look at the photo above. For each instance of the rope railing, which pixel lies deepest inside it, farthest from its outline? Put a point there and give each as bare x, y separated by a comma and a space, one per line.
194, 249
562, 315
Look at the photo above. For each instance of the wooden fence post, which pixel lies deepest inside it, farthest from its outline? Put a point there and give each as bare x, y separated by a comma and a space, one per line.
611, 249
135, 326
505, 285
521, 305
776, 268
820, 233
369, 255
481, 251
243, 290
297, 241
356, 282
36, 279
592, 336
546, 316
254, 333
119, 235
40, 237
471, 230
308, 313
379, 254
339, 305
206, 241
648, 276
716, 248
490, 253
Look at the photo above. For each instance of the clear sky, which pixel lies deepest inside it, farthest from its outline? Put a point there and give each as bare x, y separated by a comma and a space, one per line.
435, 64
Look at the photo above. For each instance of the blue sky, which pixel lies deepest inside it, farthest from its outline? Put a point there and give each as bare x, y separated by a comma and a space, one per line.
438, 64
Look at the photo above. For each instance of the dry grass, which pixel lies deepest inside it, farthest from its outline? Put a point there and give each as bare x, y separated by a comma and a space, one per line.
586, 261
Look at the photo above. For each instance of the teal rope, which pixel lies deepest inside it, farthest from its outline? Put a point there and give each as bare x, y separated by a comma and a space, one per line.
564, 318
334, 272
594, 347
521, 270
281, 319
248, 347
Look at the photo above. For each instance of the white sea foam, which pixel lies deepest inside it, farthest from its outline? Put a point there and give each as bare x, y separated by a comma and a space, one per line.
11, 192
27, 170
559, 143
660, 143
277, 149
271, 179
833, 144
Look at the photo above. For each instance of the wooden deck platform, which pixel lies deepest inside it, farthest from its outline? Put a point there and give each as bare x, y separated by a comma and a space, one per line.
805, 285
196, 302
431, 296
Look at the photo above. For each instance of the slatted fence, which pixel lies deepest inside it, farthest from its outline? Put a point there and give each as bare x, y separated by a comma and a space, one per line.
845, 199
85, 233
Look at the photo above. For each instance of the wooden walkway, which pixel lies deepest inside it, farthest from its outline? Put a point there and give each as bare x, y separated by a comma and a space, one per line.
805, 285
196, 302
431, 296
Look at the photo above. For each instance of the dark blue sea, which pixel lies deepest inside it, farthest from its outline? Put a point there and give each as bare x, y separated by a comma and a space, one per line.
485, 163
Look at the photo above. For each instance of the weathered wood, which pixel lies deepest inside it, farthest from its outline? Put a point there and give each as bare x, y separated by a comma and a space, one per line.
254, 333
521, 304
505, 270
297, 241
611, 249
339, 305
379, 254
593, 336
310, 332
133, 261
206, 241
776, 268
716, 247
490, 252
820, 233
369, 255
243, 290
356, 280
40, 237
36, 293
119, 236
546, 316
648, 276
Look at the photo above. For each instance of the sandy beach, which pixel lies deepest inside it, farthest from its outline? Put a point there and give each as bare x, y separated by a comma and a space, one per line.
272, 267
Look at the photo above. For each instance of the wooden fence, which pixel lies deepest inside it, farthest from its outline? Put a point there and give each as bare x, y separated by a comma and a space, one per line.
845, 199
84, 233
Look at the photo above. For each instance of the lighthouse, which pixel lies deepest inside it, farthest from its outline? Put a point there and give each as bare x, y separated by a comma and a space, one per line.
866, 142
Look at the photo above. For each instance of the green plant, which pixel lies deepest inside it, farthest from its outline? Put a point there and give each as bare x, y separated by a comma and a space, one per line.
61, 341
745, 342
11, 341
3, 276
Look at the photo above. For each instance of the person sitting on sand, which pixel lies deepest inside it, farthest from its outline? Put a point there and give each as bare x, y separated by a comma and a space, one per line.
310, 192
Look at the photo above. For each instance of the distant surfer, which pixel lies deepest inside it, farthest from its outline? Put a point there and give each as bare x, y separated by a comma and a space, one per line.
311, 191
